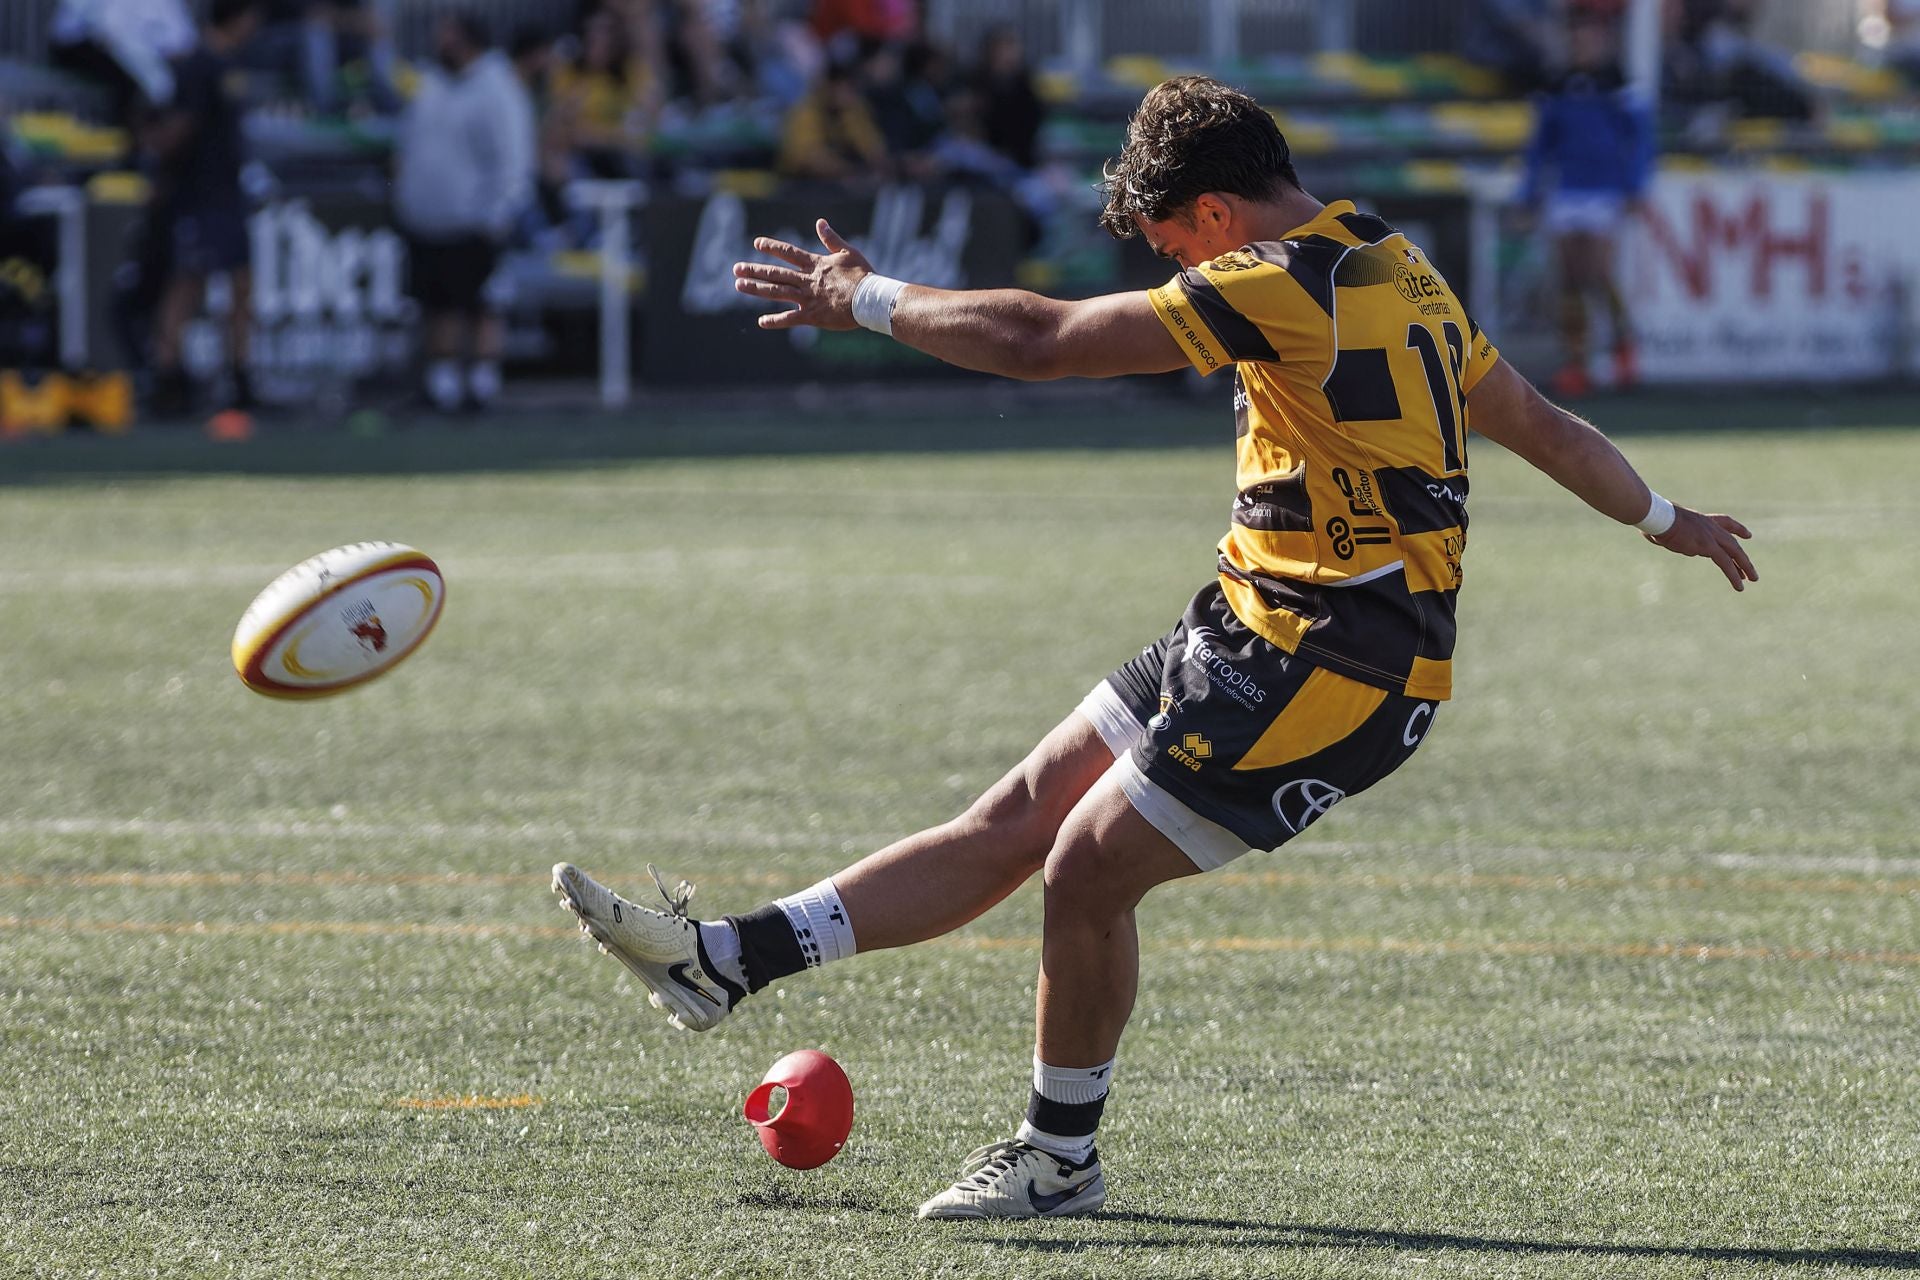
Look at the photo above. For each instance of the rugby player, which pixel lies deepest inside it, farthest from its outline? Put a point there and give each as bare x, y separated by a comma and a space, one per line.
1310, 668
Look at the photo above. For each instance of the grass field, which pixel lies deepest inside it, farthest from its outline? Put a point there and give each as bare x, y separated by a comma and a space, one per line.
1619, 977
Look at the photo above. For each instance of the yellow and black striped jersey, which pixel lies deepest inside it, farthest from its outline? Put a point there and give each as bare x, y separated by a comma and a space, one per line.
1352, 360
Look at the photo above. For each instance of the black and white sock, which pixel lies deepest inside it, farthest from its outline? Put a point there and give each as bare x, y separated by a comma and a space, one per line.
1065, 1108
802, 931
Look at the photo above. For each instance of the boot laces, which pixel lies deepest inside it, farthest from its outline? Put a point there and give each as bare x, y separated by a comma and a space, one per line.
987, 1164
678, 898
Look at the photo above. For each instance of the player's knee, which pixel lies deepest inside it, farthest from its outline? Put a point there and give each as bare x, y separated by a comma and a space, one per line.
1084, 878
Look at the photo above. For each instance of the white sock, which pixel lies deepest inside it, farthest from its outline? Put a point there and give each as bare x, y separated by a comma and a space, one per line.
819, 923
1074, 1086
483, 380
443, 384
721, 941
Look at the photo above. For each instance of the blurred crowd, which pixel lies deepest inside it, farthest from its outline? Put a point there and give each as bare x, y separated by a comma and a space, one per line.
490, 133
1714, 63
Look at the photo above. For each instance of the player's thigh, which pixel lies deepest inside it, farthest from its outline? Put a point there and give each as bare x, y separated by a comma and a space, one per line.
1034, 797
1107, 855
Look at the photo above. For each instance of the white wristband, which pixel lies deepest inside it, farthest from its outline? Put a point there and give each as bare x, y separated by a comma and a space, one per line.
874, 299
1659, 517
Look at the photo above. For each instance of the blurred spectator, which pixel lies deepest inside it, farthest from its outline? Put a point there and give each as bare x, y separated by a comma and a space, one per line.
906, 104
832, 136
1717, 59
779, 55
698, 35
1513, 38
464, 173
126, 45
1589, 161
845, 25
1011, 111
197, 218
1903, 36
310, 41
606, 102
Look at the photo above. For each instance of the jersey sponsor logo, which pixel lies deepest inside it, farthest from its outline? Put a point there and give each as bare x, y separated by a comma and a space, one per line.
1301, 802
1234, 260
1418, 723
1344, 537
1220, 673
1417, 286
1188, 334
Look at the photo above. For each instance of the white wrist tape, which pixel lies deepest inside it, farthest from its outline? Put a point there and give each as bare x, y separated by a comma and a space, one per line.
874, 299
1659, 517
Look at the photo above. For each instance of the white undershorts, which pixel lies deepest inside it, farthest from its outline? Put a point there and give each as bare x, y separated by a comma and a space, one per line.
1209, 845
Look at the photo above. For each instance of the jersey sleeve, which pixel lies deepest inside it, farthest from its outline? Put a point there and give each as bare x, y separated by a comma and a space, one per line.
1239, 307
1481, 356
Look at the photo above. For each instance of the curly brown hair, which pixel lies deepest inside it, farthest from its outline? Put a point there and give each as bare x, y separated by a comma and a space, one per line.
1192, 135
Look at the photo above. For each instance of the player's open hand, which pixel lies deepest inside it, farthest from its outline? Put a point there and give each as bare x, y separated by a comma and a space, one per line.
1715, 537
817, 287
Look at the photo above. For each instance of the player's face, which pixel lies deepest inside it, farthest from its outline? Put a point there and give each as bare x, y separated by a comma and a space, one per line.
1210, 229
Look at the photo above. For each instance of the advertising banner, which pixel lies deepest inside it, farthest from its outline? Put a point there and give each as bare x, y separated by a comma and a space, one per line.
1743, 277
699, 330
329, 299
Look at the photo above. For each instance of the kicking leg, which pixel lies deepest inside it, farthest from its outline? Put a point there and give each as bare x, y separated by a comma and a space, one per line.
920, 887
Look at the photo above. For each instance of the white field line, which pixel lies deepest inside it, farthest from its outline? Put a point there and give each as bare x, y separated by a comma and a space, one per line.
1698, 952
560, 836
1591, 872
1452, 857
616, 568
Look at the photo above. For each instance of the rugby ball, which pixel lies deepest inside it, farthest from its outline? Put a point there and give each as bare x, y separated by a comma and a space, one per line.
338, 620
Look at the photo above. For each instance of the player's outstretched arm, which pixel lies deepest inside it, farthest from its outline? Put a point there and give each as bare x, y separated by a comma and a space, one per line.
1507, 409
1006, 331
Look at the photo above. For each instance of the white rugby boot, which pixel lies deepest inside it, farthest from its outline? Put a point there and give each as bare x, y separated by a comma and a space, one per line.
1015, 1179
662, 948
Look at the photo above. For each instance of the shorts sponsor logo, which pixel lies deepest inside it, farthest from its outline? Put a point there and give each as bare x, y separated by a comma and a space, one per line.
1223, 675
1417, 724
1302, 801
1191, 750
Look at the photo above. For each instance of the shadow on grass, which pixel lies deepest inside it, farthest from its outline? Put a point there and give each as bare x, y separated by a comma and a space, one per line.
1293, 1235
572, 441
957, 419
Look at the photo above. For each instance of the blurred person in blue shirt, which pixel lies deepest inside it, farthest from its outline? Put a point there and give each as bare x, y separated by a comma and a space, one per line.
1588, 166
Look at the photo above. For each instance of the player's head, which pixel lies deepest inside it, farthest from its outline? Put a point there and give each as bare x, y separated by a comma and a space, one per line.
459, 37
1193, 137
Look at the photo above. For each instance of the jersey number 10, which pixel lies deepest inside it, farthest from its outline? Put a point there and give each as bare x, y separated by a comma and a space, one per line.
1449, 402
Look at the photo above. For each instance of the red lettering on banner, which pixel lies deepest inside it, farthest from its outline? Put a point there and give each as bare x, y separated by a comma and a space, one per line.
1752, 229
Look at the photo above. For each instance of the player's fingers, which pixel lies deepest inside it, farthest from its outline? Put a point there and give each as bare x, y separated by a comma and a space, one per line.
781, 249
1738, 554
763, 289
1733, 526
829, 237
768, 272
781, 319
